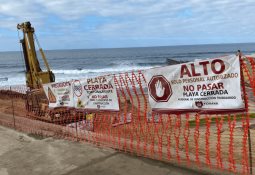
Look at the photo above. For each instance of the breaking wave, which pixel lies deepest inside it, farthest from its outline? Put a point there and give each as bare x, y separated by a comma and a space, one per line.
103, 70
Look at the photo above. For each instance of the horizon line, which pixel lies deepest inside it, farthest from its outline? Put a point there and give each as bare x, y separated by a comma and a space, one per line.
132, 47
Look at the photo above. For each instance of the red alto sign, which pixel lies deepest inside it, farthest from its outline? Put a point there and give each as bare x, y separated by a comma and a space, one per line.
160, 89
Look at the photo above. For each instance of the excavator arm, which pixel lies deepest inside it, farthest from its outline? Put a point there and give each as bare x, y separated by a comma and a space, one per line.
35, 77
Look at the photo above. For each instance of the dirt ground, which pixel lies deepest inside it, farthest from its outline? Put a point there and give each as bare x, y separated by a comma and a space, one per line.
22, 154
149, 129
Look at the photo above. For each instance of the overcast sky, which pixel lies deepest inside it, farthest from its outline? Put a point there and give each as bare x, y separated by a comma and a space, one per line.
76, 24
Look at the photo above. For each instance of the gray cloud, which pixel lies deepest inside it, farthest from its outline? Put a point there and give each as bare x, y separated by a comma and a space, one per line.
180, 22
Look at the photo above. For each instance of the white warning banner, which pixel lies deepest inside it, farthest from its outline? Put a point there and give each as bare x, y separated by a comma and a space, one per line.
206, 86
97, 93
59, 94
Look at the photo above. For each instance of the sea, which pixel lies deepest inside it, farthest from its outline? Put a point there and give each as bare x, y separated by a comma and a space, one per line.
84, 63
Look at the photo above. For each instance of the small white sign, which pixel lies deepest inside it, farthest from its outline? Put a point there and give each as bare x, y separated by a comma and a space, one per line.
59, 94
97, 93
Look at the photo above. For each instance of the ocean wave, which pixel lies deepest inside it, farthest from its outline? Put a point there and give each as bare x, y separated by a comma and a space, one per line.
142, 64
103, 70
16, 80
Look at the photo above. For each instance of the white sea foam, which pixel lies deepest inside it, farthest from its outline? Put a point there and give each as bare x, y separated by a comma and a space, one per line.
77, 64
63, 75
17, 80
99, 71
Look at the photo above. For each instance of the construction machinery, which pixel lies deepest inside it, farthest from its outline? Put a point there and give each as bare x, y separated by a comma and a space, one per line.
35, 77
36, 99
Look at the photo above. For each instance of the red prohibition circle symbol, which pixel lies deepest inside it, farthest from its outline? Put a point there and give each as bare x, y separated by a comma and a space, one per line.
77, 88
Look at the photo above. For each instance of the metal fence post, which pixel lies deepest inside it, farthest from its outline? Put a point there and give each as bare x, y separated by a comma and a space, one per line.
5, 80
13, 115
76, 129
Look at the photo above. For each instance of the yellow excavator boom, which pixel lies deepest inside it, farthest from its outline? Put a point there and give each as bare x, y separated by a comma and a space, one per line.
35, 77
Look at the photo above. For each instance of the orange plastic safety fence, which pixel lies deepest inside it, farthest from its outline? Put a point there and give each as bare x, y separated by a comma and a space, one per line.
213, 141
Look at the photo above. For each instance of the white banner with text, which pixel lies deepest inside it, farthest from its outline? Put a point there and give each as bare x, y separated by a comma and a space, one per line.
211, 85
97, 93
59, 94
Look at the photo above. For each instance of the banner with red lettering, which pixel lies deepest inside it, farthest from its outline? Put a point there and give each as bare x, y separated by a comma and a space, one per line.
59, 94
211, 85
97, 93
